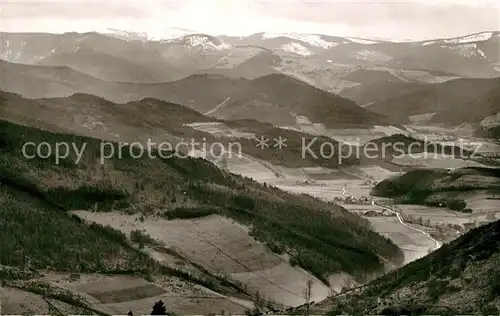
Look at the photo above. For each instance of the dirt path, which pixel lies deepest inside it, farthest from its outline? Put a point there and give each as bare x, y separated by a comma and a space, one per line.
217, 107
397, 75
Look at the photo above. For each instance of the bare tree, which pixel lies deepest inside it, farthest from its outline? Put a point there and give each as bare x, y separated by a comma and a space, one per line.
259, 301
307, 295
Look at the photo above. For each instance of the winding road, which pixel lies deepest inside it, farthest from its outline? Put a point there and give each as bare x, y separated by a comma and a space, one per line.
400, 218
437, 243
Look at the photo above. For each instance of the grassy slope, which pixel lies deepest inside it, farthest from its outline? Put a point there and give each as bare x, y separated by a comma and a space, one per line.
319, 106
380, 91
159, 120
36, 233
418, 186
323, 238
461, 277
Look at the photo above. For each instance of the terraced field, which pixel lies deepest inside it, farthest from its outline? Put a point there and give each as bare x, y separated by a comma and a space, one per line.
220, 129
225, 248
413, 242
117, 295
14, 300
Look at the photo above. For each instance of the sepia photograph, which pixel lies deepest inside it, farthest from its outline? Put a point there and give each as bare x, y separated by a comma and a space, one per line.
247, 157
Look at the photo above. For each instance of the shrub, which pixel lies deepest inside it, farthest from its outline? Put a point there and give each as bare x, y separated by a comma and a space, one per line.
494, 290
457, 205
86, 196
142, 238
436, 288
276, 247
244, 202
191, 212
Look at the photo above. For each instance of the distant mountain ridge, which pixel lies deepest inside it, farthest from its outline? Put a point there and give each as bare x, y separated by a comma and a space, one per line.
129, 69
453, 102
175, 58
281, 97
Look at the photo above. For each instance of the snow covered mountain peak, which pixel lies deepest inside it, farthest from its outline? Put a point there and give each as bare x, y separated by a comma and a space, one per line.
311, 39
473, 38
358, 40
126, 35
162, 35
205, 42
296, 48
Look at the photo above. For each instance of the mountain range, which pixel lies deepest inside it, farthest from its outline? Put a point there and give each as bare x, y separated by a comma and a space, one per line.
156, 61
247, 233
123, 69
280, 97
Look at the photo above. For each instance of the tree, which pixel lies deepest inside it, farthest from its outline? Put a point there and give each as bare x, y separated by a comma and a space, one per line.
457, 205
259, 302
159, 309
307, 295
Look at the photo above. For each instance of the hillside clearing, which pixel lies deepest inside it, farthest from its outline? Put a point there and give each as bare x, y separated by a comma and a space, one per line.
225, 248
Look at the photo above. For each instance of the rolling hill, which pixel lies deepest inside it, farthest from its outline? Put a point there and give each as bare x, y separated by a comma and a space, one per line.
260, 63
101, 65
111, 58
47, 81
278, 99
442, 188
320, 237
466, 60
159, 121
111, 231
453, 102
459, 278
368, 94
311, 56
274, 98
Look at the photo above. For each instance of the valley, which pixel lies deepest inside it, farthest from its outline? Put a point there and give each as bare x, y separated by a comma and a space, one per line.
356, 175
258, 269
216, 243
356, 182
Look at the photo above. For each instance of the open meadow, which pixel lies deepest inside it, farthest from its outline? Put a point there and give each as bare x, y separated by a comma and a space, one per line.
434, 215
224, 248
328, 184
414, 244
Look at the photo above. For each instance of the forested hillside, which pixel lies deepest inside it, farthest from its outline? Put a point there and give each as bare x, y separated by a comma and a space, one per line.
320, 237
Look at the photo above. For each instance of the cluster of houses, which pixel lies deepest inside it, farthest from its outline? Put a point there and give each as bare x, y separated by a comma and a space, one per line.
353, 200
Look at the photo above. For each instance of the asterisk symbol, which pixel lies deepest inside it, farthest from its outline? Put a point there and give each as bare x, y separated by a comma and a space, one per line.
280, 142
262, 142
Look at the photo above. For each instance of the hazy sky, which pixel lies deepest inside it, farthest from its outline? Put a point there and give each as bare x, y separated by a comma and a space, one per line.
397, 20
